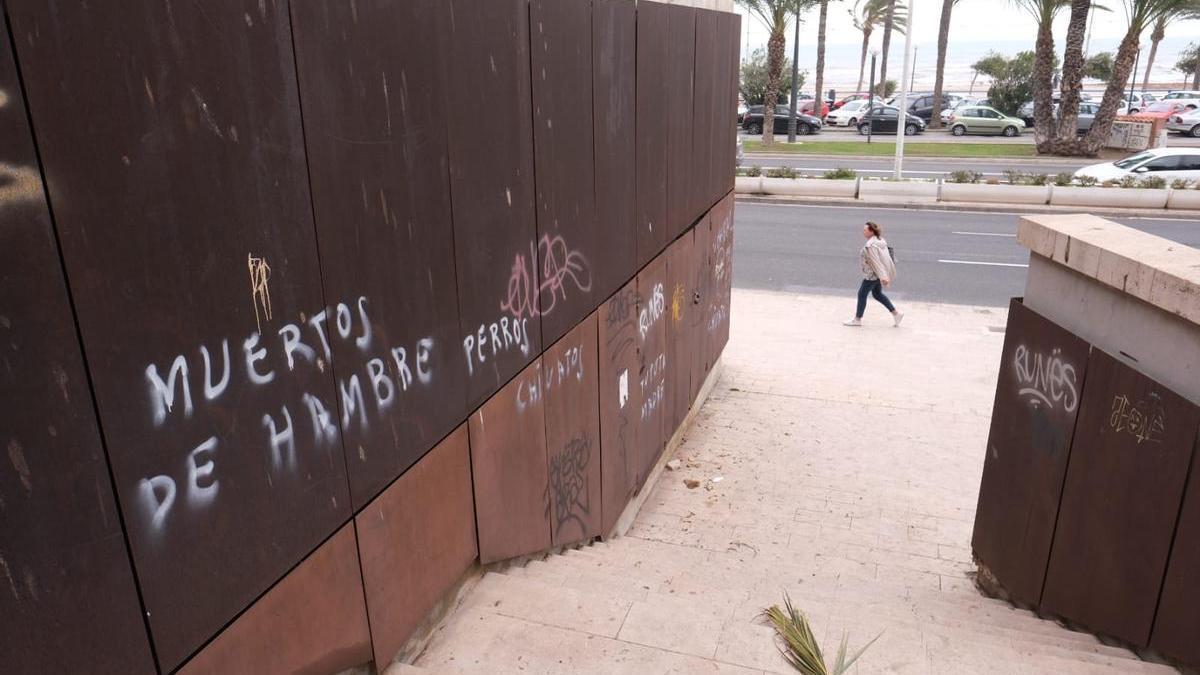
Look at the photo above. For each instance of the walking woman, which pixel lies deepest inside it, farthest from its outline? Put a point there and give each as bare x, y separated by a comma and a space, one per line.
878, 270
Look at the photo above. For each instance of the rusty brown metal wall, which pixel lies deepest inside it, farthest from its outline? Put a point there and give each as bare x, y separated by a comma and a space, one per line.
313, 621
70, 587
1124, 486
704, 115
1042, 375
729, 30
572, 409
651, 130
489, 119
614, 63
720, 275
570, 245
1178, 616
678, 89
374, 104
653, 356
700, 287
620, 401
509, 469
180, 194
416, 539
680, 273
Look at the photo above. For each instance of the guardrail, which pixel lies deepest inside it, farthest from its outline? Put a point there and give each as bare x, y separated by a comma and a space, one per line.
918, 192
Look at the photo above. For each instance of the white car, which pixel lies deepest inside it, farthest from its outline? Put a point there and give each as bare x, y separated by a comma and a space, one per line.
847, 115
1187, 124
1166, 163
1190, 99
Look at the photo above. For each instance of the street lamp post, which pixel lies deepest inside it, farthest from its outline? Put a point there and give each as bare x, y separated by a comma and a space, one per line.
871, 100
795, 81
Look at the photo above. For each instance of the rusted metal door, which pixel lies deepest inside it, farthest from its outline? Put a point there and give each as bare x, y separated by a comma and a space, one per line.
70, 587
174, 158
569, 389
720, 256
571, 248
614, 86
620, 401
680, 337
491, 176
374, 115
415, 540
652, 129
679, 90
1042, 372
729, 29
508, 462
653, 386
1124, 486
702, 290
708, 71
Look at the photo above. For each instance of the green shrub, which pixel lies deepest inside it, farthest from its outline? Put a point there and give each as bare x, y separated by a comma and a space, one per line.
754, 171
1014, 177
1153, 183
1064, 178
1128, 182
1037, 179
1181, 184
781, 172
841, 173
1087, 181
965, 176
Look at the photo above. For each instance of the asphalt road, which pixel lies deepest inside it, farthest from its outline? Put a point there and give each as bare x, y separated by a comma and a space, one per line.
942, 256
931, 167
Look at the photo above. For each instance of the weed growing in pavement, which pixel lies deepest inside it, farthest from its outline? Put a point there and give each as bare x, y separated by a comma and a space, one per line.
800, 647
754, 171
1153, 183
1181, 184
1128, 181
1037, 179
1087, 181
1063, 179
1014, 176
965, 176
781, 172
841, 173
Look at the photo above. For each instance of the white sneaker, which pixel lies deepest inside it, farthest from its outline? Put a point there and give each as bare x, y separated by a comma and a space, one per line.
898, 316
852, 322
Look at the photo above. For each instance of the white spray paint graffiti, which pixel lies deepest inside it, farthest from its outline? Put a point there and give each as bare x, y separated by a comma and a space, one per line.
499, 336
653, 310
1046, 379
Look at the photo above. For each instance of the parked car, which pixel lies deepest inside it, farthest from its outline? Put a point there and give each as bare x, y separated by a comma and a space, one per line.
1187, 123
1166, 107
1167, 163
1139, 102
981, 119
921, 105
962, 103
807, 104
1087, 115
852, 97
1189, 98
884, 119
1026, 113
848, 114
752, 121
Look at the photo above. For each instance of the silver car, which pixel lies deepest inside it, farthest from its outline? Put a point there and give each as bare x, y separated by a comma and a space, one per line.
1187, 124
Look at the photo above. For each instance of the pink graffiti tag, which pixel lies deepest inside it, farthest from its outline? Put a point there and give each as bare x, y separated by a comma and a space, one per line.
560, 265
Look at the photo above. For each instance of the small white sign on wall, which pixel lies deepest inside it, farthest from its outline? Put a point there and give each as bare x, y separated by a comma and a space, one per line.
623, 387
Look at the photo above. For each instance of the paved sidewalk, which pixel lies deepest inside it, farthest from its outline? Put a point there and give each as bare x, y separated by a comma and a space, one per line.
840, 465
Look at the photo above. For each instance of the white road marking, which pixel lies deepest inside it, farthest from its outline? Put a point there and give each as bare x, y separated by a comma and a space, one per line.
987, 234
979, 262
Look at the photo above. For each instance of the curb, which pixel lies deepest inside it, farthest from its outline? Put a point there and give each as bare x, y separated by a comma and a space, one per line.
969, 206
980, 160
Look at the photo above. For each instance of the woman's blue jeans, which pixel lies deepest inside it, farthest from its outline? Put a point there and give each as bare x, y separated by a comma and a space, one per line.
874, 287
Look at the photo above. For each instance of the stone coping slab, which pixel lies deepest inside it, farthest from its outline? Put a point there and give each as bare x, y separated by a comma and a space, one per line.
1159, 271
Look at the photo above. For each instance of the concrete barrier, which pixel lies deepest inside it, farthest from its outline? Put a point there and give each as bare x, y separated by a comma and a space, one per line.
899, 192
1129, 198
1184, 199
999, 194
810, 187
748, 185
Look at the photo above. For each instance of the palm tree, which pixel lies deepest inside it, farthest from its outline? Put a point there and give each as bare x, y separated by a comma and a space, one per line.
1074, 64
820, 81
888, 19
1141, 14
1189, 10
1043, 12
943, 43
773, 14
869, 15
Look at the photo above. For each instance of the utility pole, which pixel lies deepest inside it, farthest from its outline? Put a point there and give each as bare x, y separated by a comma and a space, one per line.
900, 122
913, 73
871, 99
795, 80
1133, 80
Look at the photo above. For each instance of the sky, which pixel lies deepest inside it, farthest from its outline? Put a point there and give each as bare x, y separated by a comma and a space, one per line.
977, 26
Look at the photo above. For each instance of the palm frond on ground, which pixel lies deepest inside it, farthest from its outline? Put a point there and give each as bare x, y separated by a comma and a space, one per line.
800, 648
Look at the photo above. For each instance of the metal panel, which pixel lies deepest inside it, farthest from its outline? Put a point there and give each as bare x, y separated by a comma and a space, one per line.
652, 384
1042, 373
374, 115
508, 462
1129, 461
570, 246
1178, 618
679, 90
720, 256
707, 81
71, 588
177, 127
416, 540
729, 29
651, 130
569, 381
698, 318
491, 177
620, 402
614, 86
680, 268
313, 621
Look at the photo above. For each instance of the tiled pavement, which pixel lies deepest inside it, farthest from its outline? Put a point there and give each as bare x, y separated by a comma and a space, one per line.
839, 465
